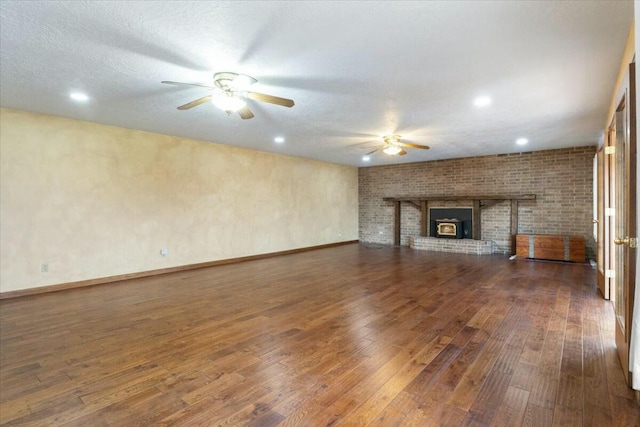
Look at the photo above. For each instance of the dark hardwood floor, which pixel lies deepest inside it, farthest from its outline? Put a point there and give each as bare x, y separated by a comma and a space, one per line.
354, 335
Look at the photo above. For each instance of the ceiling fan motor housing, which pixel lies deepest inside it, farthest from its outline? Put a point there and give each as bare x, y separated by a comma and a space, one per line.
228, 81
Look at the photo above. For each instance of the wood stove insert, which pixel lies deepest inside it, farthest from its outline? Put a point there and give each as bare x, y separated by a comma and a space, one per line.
451, 223
449, 228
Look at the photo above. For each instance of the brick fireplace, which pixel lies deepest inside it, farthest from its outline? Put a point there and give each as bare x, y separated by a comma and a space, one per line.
561, 179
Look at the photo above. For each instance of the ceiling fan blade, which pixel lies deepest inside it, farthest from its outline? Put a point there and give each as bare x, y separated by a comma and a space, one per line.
376, 150
195, 103
402, 153
167, 82
366, 144
245, 113
405, 144
271, 99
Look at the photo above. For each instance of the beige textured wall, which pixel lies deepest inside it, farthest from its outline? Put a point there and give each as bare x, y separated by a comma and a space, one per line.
96, 201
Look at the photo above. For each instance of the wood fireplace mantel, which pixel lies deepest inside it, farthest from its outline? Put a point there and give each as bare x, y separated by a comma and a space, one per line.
479, 202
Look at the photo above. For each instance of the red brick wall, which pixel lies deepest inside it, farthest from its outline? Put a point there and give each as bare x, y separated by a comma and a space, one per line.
561, 179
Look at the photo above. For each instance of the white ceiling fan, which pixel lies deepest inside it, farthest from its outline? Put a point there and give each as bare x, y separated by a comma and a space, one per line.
393, 147
228, 93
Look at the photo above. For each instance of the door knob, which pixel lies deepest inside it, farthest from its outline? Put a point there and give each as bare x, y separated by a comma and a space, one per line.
621, 241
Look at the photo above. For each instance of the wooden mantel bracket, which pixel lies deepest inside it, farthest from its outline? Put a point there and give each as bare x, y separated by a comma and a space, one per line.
489, 203
421, 202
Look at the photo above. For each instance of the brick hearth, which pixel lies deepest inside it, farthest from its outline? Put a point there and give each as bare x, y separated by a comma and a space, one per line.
460, 246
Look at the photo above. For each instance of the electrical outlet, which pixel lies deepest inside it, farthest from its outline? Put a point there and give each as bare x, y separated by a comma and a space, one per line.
164, 251
44, 267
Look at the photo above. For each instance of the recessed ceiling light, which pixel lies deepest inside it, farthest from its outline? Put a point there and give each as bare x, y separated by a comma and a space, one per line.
482, 101
366, 158
522, 141
278, 140
78, 96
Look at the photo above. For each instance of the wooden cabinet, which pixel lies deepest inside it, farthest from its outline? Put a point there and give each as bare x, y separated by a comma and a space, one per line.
552, 247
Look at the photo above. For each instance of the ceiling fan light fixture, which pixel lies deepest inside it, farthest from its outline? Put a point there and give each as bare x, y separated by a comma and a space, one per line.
392, 150
228, 102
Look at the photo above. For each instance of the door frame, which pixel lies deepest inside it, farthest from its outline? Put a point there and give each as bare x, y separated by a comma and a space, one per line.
626, 251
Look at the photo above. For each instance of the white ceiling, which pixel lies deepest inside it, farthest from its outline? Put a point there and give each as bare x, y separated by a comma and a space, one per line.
357, 70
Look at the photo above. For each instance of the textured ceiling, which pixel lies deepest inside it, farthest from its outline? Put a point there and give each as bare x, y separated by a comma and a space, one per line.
357, 70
